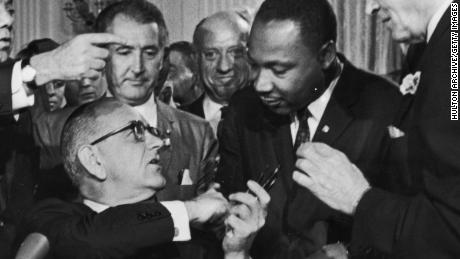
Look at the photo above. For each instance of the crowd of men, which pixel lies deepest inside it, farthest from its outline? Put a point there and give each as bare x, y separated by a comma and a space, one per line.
258, 139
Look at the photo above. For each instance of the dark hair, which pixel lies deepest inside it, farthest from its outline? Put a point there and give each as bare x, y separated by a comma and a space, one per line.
188, 51
315, 18
141, 11
36, 47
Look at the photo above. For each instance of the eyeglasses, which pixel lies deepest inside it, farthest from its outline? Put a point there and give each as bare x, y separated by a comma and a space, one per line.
138, 128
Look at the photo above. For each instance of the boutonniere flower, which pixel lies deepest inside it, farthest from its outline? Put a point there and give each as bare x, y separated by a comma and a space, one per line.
410, 83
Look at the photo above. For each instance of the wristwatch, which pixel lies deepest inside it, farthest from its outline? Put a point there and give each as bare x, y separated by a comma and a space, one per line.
28, 74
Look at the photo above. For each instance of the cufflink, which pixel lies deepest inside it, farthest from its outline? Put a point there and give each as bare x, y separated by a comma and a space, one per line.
325, 129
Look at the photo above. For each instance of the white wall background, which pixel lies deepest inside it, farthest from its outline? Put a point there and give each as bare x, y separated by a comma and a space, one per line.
360, 37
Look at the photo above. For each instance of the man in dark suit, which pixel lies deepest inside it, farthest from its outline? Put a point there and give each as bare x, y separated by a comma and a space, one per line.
220, 40
425, 225
112, 155
292, 49
80, 57
132, 72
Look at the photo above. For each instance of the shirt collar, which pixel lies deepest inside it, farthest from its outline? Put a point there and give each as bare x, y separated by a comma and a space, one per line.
318, 107
436, 18
210, 107
95, 206
149, 111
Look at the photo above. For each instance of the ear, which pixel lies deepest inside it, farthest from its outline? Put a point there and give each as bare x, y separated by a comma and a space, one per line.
90, 158
327, 54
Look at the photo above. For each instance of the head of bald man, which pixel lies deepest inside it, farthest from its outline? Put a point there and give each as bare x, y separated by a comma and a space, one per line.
220, 41
111, 154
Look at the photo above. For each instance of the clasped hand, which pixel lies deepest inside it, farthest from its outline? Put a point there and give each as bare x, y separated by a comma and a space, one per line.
243, 216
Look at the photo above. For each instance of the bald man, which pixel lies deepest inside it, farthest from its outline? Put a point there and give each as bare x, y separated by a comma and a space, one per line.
220, 40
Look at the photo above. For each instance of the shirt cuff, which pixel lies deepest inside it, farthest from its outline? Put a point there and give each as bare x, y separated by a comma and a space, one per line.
180, 219
19, 96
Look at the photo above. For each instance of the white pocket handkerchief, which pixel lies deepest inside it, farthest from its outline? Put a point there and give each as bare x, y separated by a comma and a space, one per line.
186, 180
395, 132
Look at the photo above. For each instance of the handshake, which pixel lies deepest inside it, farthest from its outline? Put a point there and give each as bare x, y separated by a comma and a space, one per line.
243, 214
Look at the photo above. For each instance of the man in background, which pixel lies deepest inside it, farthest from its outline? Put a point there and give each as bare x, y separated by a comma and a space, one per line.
182, 79
220, 40
132, 73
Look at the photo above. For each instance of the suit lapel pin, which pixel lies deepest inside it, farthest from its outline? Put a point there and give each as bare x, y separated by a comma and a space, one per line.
325, 129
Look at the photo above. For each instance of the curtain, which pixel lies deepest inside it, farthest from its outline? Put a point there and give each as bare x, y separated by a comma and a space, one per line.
364, 39
361, 38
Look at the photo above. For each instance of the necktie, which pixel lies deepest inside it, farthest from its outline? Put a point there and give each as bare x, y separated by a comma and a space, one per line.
223, 112
303, 133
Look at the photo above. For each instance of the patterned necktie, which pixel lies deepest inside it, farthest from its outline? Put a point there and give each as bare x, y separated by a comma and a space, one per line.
303, 133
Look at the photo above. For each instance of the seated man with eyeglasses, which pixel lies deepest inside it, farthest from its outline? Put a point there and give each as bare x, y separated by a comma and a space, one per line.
112, 155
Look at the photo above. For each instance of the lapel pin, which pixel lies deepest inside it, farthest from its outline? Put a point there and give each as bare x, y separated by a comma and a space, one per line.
168, 131
325, 129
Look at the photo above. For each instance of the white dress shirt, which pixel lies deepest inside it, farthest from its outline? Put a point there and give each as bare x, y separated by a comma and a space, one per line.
19, 97
316, 109
178, 212
212, 112
148, 110
436, 18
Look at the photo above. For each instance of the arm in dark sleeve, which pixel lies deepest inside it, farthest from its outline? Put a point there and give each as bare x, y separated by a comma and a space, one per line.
230, 172
74, 231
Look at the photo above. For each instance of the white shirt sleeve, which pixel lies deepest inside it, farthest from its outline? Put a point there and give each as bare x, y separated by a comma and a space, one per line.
19, 96
180, 218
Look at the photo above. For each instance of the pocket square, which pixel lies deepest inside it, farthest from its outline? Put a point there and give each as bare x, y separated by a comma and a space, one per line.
186, 179
394, 132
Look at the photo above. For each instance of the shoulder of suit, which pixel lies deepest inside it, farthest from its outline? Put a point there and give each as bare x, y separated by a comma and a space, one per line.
183, 116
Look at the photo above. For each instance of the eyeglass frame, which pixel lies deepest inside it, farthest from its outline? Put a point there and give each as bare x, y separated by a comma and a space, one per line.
131, 125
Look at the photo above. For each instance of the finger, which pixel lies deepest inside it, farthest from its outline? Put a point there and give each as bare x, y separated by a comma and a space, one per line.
308, 166
104, 38
237, 225
92, 74
303, 180
214, 186
97, 64
241, 211
98, 53
244, 198
304, 149
260, 192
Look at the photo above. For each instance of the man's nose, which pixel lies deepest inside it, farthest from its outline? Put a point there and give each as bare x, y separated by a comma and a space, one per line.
372, 7
137, 65
262, 83
86, 82
49, 88
154, 142
224, 64
6, 19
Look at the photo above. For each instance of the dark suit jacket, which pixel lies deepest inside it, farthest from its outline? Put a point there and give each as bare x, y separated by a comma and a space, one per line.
18, 161
428, 224
141, 230
253, 139
192, 144
195, 107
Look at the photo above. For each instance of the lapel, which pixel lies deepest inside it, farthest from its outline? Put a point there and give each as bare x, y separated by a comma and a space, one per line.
279, 134
165, 125
338, 116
